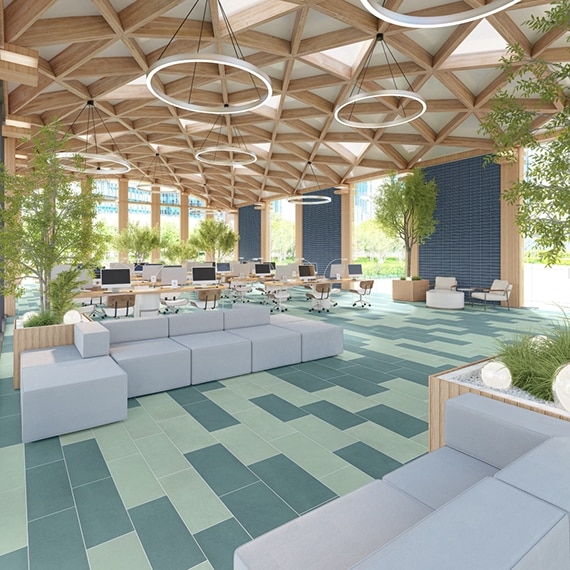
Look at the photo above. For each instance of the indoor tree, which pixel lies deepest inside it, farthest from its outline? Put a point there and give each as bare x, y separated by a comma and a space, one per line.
533, 113
404, 208
48, 218
137, 241
214, 238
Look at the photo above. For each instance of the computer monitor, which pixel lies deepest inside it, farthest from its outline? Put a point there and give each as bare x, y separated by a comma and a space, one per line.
174, 275
151, 269
306, 272
223, 267
355, 270
272, 265
204, 276
262, 269
116, 278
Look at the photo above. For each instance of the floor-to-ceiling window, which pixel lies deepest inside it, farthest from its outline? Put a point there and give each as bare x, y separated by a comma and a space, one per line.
282, 232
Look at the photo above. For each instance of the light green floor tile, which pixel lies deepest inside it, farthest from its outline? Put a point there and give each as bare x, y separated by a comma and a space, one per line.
422, 439
392, 444
114, 441
123, 553
162, 456
309, 455
264, 424
348, 356
161, 406
204, 566
346, 399
196, 503
263, 380
246, 387
13, 520
322, 432
346, 480
406, 387
12, 468
229, 400
135, 481
403, 403
140, 423
294, 395
76, 437
245, 444
187, 434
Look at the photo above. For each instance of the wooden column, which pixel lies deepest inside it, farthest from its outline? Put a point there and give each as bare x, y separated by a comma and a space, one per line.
10, 164
299, 232
123, 212
155, 217
183, 217
265, 248
512, 267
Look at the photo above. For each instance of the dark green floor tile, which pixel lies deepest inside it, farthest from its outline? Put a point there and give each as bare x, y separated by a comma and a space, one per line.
299, 489
394, 420
101, 512
306, 381
17, 560
414, 375
219, 542
6, 384
258, 509
333, 414
44, 451
210, 415
55, 543
335, 363
358, 385
186, 395
10, 404
48, 490
208, 386
368, 459
133, 403
165, 538
278, 407
85, 462
366, 373
220, 469
319, 370
10, 431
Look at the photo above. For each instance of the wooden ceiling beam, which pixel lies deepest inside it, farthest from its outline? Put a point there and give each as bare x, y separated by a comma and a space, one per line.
20, 15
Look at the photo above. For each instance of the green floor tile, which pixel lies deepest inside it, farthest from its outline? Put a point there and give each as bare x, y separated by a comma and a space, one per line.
210, 415
10, 430
12, 471
345, 480
245, 444
44, 451
85, 463
187, 434
17, 560
258, 509
306, 381
114, 441
165, 539
122, 553
394, 420
278, 407
264, 424
162, 456
358, 385
367, 459
13, 520
140, 424
334, 415
323, 433
161, 406
10, 404
48, 489
219, 542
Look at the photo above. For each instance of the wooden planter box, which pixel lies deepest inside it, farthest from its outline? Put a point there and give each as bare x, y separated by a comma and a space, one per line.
442, 386
404, 290
38, 337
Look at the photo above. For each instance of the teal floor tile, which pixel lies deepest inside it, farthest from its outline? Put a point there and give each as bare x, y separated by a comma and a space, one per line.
132, 403
210, 415
10, 404
306, 381
299, 489
85, 462
219, 542
333, 414
42, 452
6, 385
394, 420
10, 430
102, 514
48, 490
166, 540
324, 369
278, 407
187, 395
17, 560
368, 459
56, 543
220, 469
258, 509
358, 385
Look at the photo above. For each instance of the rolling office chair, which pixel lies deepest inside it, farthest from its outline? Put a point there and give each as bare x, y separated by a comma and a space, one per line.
320, 297
278, 295
240, 289
363, 291
119, 306
173, 302
207, 299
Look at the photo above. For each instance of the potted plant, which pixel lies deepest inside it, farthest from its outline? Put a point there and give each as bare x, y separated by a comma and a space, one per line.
404, 208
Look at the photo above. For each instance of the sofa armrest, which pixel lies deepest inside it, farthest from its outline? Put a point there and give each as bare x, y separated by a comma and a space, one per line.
91, 339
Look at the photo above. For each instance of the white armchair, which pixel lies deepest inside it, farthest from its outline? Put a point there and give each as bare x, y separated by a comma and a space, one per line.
445, 283
500, 290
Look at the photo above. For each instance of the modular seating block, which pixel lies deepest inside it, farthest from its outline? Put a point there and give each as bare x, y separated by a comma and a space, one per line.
436, 299
62, 392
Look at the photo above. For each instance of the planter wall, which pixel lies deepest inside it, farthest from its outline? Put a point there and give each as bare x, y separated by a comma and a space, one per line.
443, 386
404, 290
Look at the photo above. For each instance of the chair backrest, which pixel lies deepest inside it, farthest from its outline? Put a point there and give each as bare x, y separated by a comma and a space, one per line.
120, 301
500, 285
323, 289
366, 286
445, 283
209, 296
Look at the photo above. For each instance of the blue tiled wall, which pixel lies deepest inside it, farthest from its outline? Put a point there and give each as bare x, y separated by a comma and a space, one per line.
249, 233
466, 243
321, 231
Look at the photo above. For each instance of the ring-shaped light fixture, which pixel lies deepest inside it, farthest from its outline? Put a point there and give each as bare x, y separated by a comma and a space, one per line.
149, 187
121, 167
402, 94
309, 199
217, 59
203, 155
407, 21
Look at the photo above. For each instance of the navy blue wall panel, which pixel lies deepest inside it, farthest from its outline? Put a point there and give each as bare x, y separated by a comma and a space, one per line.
321, 231
249, 233
467, 240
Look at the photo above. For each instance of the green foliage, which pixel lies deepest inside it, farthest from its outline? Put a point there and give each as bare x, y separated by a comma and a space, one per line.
404, 208
214, 238
543, 198
47, 218
137, 241
62, 291
282, 239
41, 320
371, 241
533, 360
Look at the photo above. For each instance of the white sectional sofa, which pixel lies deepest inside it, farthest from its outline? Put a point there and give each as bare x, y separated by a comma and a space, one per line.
495, 497
68, 388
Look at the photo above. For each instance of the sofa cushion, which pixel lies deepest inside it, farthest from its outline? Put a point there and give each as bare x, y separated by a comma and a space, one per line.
128, 330
437, 477
196, 322
246, 316
335, 535
495, 432
91, 339
491, 525
543, 472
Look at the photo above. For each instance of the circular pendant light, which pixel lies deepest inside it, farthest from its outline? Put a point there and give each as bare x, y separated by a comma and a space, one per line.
236, 156
93, 162
308, 200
